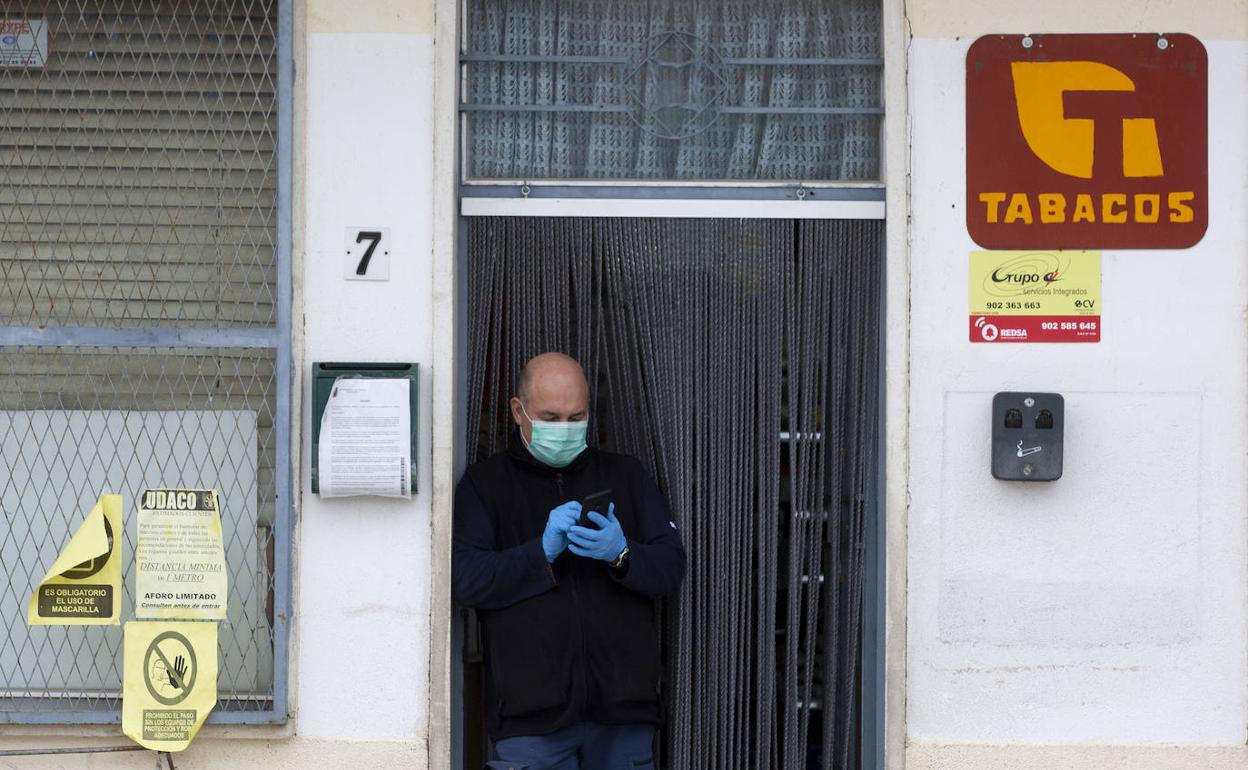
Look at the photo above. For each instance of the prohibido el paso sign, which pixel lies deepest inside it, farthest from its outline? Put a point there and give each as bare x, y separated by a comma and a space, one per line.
179, 560
170, 682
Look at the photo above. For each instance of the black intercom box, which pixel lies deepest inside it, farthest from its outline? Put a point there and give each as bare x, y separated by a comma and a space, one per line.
1027, 433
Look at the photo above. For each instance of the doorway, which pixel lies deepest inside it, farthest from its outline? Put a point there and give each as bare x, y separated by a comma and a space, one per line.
739, 361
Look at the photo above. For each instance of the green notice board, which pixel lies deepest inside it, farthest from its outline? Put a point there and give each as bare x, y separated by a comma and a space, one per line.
323, 375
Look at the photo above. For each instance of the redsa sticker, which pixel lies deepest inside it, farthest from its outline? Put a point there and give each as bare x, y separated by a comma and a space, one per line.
1087, 141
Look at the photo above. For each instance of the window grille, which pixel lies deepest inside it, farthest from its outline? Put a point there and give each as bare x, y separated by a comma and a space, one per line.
144, 319
741, 90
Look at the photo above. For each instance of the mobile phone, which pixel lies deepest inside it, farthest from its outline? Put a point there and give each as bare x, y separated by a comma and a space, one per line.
596, 502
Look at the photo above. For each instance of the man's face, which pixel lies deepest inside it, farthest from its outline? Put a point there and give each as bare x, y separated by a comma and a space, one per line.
555, 395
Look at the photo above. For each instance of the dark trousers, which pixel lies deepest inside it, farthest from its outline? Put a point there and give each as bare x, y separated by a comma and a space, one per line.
583, 746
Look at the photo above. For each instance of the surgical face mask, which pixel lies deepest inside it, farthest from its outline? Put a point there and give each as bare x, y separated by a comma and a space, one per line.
555, 443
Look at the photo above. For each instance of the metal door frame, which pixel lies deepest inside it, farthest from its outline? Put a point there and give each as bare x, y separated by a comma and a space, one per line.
844, 200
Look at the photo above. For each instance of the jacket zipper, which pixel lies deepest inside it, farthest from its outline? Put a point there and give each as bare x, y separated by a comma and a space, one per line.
580, 628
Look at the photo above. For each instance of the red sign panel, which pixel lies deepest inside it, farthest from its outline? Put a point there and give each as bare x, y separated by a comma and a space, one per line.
1087, 141
1035, 328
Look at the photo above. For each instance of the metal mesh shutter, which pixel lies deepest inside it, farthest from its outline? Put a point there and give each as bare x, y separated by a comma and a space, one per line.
140, 319
136, 167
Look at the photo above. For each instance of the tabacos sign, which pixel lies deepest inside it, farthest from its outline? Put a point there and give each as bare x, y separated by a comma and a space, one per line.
1087, 141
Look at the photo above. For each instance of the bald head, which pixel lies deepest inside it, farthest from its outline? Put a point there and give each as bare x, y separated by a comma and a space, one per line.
551, 387
550, 370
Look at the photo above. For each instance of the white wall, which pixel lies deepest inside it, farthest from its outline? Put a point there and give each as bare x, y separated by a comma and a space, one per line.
363, 580
1107, 607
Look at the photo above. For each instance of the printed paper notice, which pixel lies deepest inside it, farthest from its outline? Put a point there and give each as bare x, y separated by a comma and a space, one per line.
83, 586
23, 42
170, 683
1035, 296
365, 444
180, 561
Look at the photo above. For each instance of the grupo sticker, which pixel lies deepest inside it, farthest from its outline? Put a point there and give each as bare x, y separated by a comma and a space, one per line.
1035, 296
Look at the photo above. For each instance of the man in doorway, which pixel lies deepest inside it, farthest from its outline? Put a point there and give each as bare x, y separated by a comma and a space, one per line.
567, 605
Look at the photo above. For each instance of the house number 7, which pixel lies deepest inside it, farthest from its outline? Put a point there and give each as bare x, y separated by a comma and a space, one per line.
367, 254
374, 238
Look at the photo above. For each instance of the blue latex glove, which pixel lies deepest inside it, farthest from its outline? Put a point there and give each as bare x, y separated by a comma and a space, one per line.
605, 543
555, 538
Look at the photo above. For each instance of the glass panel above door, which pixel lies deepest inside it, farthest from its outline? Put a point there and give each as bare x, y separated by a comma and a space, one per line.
716, 90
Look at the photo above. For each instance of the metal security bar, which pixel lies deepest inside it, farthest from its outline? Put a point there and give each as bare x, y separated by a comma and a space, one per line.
727, 90
144, 319
738, 360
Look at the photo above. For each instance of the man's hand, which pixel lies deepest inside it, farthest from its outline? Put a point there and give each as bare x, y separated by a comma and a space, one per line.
605, 543
561, 519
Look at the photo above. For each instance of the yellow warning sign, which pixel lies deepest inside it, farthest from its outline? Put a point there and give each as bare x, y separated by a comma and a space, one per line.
170, 682
83, 586
179, 560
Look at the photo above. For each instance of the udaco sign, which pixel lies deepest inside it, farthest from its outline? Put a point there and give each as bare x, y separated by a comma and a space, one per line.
1086, 141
